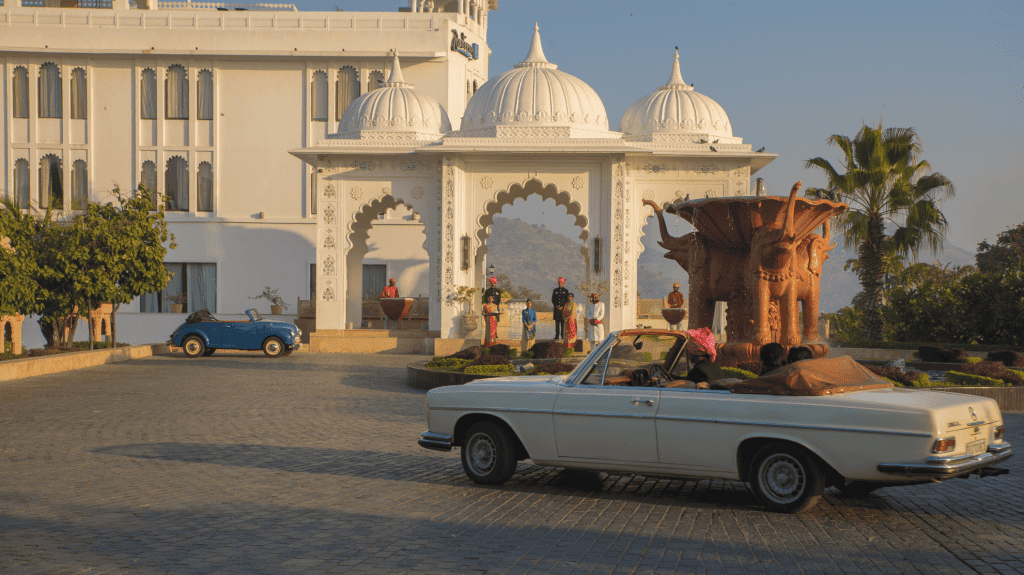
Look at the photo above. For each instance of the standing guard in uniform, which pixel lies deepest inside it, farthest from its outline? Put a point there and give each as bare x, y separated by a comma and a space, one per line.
559, 298
493, 292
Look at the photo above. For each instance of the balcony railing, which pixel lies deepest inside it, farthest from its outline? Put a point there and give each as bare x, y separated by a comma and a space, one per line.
225, 7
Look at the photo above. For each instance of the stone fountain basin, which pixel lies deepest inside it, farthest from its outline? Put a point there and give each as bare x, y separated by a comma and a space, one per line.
730, 222
396, 308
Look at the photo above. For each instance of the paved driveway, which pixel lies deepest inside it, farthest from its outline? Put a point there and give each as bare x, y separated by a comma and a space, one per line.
309, 464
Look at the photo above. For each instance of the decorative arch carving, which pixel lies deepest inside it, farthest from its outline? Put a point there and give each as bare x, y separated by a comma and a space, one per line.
361, 221
530, 186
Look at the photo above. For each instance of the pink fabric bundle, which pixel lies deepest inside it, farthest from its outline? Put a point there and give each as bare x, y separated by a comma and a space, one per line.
701, 342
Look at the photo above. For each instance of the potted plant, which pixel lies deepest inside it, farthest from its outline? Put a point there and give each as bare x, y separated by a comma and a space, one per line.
177, 302
464, 295
277, 305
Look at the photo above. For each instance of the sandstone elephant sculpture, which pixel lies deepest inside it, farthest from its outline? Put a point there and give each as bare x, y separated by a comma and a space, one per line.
810, 257
771, 276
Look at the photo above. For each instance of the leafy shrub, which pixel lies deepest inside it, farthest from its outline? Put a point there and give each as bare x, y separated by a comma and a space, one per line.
1007, 358
526, 354
971, 380
751, 366
499, 349
469, 353
738, 373
548, 350
994, 370
936, 354
490, 359
553, 368
447, 363
972, 360
893, 374
893, 344
489, 369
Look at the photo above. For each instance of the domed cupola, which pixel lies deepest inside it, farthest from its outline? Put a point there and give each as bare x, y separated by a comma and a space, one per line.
394, 112
535, 100
675, 112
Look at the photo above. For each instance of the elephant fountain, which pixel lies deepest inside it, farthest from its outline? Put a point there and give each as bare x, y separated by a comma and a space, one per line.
761, 256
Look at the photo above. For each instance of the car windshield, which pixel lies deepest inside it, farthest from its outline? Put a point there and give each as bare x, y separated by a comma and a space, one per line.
616, 364
255, 315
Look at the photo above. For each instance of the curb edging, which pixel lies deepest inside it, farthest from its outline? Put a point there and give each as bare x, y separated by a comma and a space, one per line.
13, 369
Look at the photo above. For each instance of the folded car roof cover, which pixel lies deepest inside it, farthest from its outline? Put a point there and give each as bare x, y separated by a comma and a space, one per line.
814, 377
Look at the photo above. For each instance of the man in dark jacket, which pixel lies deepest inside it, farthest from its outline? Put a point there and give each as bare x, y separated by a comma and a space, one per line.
559, 298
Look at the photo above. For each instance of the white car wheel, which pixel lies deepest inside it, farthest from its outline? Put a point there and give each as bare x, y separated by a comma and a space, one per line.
273, 346
785, 478
193, 346
488, 454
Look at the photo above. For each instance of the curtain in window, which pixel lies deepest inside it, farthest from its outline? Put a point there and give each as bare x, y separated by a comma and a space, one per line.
176, 184
51, 97
21, 183
20, 92
51, 184
319, 92
374, 280
204, 203
176, 93
79, 185
156, 302
148, 181
202, 287
79, 95
148, 90
376, 80
205, 92
347, 88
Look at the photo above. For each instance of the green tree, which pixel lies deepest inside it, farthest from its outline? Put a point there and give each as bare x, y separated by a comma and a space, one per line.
19, 285
884, 182
1006, 253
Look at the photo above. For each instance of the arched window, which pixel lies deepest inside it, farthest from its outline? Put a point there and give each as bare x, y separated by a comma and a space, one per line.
21, 183
474, 86
20, 92
318, 105
176, 93
79, 185
376, 80
79, 95
147, 89
204, 203
51, 182
347, 88
148, 181
469, 91
176, 184
51, 97
204, 89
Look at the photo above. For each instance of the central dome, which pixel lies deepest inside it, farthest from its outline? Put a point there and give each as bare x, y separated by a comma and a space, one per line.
535, 99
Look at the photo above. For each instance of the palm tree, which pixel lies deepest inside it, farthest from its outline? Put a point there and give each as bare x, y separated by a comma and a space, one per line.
884, 183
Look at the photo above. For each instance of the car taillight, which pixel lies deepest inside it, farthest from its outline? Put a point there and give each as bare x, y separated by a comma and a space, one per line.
1000, 431
944, 445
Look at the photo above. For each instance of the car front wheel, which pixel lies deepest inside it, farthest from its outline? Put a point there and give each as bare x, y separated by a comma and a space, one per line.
786, 478
488, 454
273, 346
193, 346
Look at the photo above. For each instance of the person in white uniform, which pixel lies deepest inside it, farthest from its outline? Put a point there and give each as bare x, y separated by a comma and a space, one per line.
595, 319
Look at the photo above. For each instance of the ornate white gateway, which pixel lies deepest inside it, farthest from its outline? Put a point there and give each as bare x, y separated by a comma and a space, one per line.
531, 130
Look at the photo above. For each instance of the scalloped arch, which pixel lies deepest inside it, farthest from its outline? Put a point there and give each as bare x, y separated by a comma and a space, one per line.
504, 197
362, 220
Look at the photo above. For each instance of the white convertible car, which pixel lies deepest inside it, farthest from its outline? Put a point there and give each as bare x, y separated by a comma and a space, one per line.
789, 434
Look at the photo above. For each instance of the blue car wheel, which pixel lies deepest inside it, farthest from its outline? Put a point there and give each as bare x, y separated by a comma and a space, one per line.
273, 346
193, 346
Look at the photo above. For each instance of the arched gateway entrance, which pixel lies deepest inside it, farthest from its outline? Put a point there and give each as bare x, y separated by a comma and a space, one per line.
396, 146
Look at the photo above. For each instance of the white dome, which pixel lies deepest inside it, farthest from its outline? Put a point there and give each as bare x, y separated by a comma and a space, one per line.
534, 99
395, 111
675, 112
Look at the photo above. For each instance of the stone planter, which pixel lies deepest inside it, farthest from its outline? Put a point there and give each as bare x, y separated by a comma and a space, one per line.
177, 307
276, 309
470, 322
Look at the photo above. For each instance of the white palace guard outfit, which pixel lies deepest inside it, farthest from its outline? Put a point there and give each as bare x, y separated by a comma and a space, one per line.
596, 311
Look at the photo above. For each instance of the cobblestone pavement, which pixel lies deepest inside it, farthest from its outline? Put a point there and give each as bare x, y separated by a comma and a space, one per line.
309, 464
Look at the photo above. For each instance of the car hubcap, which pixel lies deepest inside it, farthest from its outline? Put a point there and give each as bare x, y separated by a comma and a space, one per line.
273, 347
783, 478
192, 347
482, 454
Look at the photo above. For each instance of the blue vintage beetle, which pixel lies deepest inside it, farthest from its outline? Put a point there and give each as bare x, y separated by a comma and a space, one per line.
202, 334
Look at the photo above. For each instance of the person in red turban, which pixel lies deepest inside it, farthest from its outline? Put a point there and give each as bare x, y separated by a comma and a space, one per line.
701, 353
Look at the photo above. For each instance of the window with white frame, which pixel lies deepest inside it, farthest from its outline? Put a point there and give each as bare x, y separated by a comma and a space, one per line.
204, 187
148, 181
176, 185
147, 90
51, 182
79, 95
193, 285
22, 193
347, 89
204, 91
20, 92
79, 185
51, 96
318, 91
176, 93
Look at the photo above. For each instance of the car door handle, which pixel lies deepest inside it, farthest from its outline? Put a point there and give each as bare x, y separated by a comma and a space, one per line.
647, 402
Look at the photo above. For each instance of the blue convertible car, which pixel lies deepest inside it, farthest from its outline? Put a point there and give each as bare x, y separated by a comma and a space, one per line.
202, 334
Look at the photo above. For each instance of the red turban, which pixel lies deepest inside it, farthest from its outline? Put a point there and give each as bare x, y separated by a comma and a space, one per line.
701, 342
493, 280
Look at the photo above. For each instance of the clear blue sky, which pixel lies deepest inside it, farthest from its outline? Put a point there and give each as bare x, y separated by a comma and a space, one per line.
789, 74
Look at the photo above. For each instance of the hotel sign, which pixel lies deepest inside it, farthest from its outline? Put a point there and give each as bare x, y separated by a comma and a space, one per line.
459, 44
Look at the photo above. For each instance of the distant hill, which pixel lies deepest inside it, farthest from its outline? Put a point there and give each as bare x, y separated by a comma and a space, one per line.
534, 257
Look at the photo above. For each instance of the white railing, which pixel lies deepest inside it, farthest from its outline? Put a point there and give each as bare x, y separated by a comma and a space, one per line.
224, 6
204, 19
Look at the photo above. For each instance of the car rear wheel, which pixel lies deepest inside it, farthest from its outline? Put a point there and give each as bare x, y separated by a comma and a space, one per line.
273, 346
209, 351
786, 478
193, 346
488, 454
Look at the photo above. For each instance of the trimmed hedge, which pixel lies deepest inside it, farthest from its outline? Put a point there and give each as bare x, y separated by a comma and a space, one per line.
526, 355
971, 380
499, 349
469, 353
936, 354
917, 345
447, 363
738, 373
972, 360
1006, 357
993, 370
502, 369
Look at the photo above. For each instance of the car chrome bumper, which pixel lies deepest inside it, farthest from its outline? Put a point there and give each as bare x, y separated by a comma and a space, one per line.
435, 441
945, 468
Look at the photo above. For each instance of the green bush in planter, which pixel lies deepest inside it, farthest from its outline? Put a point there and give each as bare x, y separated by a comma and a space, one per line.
526, 355
738, 373
447, 363
489, 369
972, 360
971, 380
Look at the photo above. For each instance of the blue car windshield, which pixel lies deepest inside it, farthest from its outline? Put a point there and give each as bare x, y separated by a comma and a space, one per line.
255, 315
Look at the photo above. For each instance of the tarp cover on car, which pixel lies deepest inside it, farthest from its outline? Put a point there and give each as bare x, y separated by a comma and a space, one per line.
814, 377
200, 316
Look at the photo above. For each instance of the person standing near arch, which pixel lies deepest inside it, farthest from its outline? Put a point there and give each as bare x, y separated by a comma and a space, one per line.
595, 319
569, 313
559, 298
389, 291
